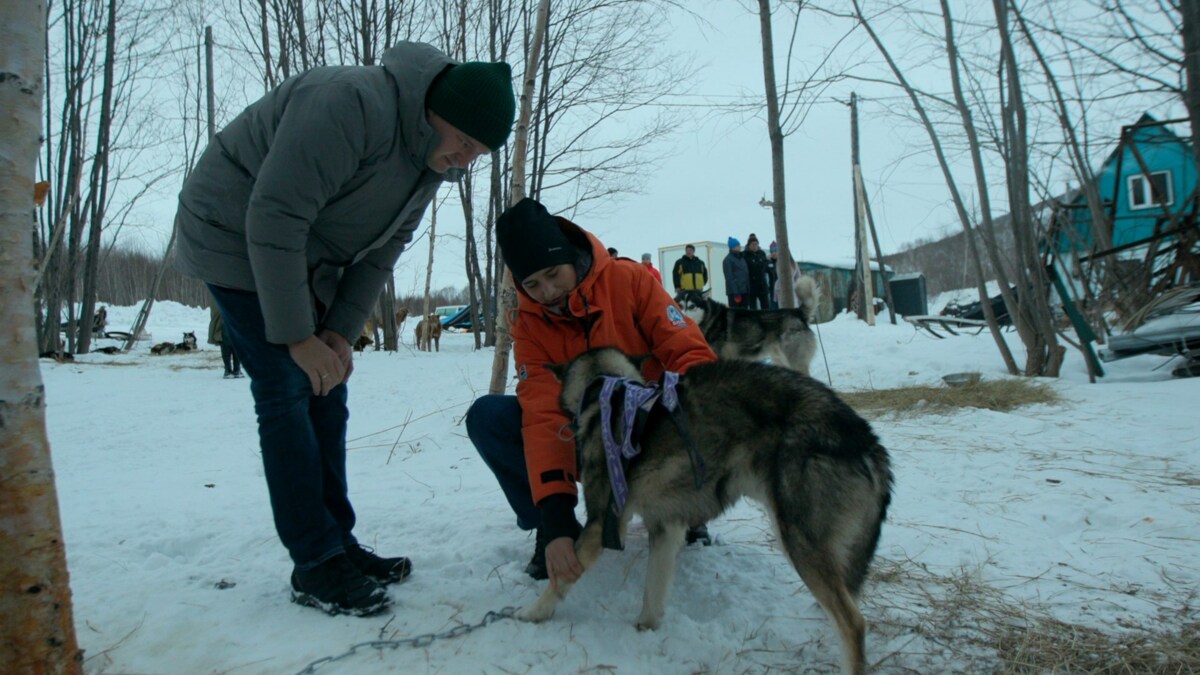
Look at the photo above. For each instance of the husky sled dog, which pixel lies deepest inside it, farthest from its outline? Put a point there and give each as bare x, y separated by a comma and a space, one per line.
189, 344
429, 334
747, 429
782, 336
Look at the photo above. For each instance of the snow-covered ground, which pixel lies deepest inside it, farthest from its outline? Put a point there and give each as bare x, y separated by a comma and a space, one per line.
1086, 510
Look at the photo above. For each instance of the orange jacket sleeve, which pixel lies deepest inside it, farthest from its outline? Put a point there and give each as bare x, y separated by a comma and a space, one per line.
676, 341
549, 447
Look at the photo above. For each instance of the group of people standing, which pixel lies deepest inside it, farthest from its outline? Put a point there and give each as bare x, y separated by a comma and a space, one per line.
750, 275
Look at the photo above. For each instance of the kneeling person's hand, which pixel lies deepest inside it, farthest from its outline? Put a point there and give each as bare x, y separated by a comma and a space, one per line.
561, 562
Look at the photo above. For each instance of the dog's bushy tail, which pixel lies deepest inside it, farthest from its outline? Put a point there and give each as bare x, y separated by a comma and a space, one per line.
879, 468
807, 296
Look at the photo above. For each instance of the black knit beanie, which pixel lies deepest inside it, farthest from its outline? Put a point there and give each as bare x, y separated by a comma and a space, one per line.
476, 97
531, 240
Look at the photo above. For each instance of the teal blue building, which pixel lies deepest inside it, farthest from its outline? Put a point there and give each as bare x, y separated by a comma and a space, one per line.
1143, 198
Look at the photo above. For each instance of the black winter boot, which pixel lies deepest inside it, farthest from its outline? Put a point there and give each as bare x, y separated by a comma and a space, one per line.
699, 533
383, 570
337, 587
537, 565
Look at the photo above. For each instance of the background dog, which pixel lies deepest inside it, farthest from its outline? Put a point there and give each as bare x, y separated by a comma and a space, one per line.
429, 333
767, 433
781, 336
189, 344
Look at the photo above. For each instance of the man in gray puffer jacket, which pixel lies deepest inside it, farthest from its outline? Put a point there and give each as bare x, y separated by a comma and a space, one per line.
294, 216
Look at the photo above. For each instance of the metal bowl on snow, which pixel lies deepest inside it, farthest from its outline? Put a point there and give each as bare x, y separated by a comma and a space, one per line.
961, 379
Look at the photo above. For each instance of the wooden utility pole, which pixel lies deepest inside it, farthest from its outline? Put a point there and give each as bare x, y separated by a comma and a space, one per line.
143, 315
862, 261
867, 288
887, 285
508, 289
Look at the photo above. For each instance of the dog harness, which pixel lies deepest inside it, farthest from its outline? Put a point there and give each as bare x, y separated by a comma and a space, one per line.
639, 401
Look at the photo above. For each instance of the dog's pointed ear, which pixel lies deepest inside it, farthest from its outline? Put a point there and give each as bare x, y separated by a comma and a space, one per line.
559, 370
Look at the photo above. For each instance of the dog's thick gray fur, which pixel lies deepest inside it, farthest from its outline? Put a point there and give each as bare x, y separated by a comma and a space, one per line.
767, 433
781, 336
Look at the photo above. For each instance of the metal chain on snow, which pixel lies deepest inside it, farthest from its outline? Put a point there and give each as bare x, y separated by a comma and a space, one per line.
417, 641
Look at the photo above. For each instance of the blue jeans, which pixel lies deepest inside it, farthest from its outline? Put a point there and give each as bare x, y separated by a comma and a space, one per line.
494, 426
302, 436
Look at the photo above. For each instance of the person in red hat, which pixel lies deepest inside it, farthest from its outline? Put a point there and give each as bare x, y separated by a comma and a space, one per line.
648, 263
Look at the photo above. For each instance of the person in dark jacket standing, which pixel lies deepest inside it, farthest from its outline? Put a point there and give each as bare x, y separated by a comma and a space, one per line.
294, 216
773, 273
756, 265
690, 274
737, 276
216, 336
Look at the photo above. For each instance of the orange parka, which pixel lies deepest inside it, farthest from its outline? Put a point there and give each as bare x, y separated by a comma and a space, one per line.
617, 304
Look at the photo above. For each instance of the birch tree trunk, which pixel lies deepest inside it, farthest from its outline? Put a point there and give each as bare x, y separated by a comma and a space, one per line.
429, 263
508, 290
37, 633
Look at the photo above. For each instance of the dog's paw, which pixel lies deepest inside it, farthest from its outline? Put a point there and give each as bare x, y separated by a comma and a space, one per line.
535, 613
648, 623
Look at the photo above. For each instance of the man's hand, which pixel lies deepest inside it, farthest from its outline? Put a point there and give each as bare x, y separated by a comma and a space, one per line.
561, 563
341, 347
323, 366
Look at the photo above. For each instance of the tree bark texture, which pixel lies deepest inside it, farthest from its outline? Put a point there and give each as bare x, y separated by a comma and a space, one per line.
37, 631
508, 289
787, 296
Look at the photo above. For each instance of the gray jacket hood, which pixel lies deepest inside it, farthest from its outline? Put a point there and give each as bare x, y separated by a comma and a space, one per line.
414, 66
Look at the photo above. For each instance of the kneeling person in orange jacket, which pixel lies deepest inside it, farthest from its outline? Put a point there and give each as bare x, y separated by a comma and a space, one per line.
573, 297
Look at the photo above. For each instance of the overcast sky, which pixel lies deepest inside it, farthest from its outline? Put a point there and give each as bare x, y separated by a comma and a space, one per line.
712, 173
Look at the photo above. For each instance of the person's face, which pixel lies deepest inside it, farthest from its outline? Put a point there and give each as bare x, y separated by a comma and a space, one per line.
551, 285
752, 246
457, 150
689, 252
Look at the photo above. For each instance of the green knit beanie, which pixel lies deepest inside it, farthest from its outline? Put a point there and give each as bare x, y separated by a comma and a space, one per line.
476, 97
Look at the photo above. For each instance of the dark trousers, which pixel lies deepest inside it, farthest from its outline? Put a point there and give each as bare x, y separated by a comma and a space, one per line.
302, 437
758, 299
230, 359
494, 426
739, 301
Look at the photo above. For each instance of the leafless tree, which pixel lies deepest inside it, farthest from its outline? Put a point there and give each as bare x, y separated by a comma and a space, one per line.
37, 634
508, 291
787, 105
951, 183
602, 68
95, 154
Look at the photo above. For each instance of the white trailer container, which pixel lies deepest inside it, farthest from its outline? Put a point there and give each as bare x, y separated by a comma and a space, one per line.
711, 252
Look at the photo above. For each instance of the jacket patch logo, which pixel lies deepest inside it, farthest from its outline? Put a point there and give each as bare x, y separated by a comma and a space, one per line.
675, 316
522, 373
